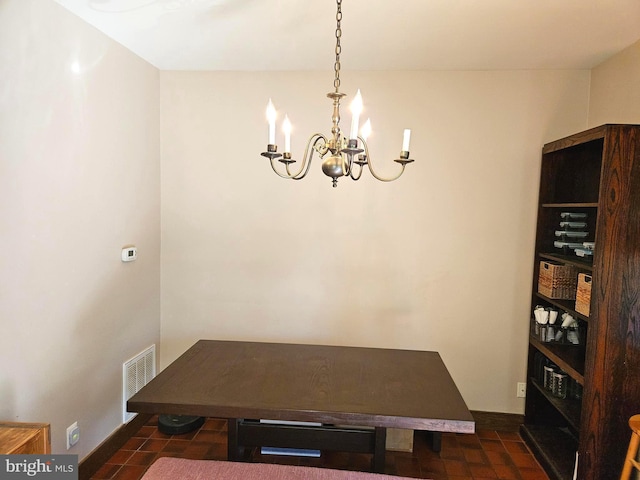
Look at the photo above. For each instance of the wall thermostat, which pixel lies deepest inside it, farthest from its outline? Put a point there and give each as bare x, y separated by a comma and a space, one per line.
129, 254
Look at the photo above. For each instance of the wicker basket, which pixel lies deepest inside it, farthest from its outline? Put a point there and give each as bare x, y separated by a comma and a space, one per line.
557, 280
583, 295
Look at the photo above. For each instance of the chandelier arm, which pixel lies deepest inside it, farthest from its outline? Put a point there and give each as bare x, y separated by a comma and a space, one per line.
354, 160
273, 167
306, 159
347, 164
355, 176
383, 179
369, 164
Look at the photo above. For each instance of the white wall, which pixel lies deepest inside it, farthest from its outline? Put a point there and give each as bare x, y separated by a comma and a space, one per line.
615, 89
440, 260
79, 178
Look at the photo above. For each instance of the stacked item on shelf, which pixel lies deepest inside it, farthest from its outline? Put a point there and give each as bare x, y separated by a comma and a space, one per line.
554, 380
586, 250
583, 294
546, 329
572, 233
557, 280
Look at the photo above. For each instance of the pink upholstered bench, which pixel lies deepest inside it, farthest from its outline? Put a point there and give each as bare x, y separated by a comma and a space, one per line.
168, 468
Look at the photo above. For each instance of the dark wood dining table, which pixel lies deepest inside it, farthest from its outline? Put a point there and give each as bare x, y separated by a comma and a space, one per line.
353, 393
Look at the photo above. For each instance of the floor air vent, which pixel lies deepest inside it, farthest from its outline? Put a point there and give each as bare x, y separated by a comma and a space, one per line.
136, 373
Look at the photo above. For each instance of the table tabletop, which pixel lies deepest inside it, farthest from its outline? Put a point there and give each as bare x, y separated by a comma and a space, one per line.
329, 384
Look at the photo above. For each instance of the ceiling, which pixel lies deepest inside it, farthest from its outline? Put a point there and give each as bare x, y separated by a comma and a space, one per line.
377, 34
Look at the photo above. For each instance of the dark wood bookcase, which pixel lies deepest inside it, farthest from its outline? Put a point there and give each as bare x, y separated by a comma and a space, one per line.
596, 172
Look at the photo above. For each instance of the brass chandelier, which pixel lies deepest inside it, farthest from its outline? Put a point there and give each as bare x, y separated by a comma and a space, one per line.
347, 156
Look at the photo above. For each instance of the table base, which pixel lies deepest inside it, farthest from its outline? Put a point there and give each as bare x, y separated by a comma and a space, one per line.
251, 433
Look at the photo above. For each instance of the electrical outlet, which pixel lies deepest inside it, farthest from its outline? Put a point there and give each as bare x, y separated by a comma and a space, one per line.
521, 390
73, 435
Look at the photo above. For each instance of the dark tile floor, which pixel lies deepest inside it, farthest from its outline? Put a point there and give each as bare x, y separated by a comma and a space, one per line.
488, 454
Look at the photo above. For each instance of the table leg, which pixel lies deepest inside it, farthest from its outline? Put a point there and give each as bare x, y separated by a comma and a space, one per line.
436, 441
232, 440
379, 449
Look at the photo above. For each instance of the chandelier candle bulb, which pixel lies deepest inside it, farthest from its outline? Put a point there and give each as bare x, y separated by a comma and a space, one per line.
365, 131
286, 128
271, 118
406, 138
356, 110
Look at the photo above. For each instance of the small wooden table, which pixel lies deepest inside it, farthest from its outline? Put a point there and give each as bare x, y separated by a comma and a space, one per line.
336, 386
24, 438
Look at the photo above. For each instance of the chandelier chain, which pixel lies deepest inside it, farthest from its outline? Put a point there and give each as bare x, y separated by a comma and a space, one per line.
336, 66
